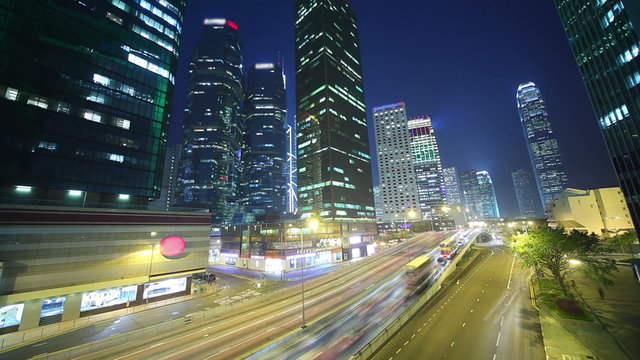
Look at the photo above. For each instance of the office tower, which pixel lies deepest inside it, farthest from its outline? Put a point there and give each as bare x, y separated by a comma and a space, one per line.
210, 169
265, 155
334, 165
377, 199
169, 179
541, 143
605, 39
452, 192
398, 189
291, 171
427, 167
479, 195
85, 94
528, 199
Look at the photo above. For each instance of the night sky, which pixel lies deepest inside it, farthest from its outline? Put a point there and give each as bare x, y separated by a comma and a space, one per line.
458, 61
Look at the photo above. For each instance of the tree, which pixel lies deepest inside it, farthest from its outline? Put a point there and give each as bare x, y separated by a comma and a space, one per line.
550, 250
625, 241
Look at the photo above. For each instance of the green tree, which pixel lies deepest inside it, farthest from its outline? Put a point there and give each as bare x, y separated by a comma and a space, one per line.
624, 241
549, 250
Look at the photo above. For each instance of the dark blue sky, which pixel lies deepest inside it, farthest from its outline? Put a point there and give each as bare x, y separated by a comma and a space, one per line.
459, 61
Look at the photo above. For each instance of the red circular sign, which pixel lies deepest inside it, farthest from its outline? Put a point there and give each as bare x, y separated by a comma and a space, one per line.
172, 245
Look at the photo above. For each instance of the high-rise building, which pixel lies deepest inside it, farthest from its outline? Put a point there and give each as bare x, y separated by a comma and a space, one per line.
213, 126
169, 179
85, 91
334, 165
479, 195
265, 155
541, 143
528, 199
291, 170
452, 192
605, 39
398, 189
427, 167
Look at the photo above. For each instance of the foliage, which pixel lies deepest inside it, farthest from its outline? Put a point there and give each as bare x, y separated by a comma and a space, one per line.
565, 306
549, 250
625, 242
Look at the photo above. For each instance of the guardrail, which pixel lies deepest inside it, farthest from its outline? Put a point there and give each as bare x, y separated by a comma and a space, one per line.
374, 345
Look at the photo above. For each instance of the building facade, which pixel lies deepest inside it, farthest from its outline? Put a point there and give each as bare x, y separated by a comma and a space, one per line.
427, 166
291, 171
479, 195
213, 125
398, 188
452, 193
527, 196
169, 179
605, 40
62, 263
601, 211
264, 186
91, 87
542, 144
334, 165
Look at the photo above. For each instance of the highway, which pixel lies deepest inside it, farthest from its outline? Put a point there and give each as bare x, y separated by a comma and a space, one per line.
247, 326
484, 313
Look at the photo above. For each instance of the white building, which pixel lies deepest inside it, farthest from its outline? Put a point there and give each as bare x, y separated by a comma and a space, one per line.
601, 211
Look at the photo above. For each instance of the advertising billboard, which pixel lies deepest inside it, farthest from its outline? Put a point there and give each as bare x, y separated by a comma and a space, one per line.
11, 315
164, 287
108, 297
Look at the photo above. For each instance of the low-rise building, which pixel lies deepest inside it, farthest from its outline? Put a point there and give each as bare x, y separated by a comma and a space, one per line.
601, 211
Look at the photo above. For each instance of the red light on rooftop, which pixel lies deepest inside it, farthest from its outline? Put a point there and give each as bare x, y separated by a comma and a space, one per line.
233, 25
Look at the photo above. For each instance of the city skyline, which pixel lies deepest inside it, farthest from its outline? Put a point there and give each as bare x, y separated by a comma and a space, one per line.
554, 70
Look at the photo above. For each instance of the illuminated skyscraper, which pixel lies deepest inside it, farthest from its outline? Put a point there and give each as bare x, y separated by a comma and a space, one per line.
264, 187
291, 172
398, 189
334, 165
213, 127
541, 143
479, 195
452, 192
605, 39
85, 92
427, 167
528, 199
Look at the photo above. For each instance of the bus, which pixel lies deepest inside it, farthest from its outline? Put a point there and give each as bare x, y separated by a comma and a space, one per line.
418, 269
449, 248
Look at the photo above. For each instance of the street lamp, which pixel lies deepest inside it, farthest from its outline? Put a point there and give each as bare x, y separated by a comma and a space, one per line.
312, 224
153, 248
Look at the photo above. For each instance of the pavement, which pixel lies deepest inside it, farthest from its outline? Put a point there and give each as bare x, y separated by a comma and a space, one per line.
614, 332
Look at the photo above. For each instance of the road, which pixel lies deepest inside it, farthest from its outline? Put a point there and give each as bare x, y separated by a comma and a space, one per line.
245, 327
487, 314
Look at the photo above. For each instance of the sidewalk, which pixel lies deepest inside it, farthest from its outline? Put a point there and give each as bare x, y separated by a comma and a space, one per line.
611, 336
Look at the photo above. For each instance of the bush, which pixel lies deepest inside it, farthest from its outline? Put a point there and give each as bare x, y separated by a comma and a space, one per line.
570, 307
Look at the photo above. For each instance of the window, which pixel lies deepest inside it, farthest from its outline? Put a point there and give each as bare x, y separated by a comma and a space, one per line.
122, 123
92, 116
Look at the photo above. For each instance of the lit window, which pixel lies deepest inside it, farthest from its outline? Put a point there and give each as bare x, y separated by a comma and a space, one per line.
92, 116
122, 123
116, 157
11, 94
47, 145
38, 101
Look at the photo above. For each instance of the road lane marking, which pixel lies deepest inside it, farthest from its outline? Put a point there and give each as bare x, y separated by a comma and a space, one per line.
399, 350
39, 344
498, 341
412, 336
463, 324
478, 300
419, 329
494, 357
471, 310
406, 342
511, 273
453, 342
501, 320
425, 324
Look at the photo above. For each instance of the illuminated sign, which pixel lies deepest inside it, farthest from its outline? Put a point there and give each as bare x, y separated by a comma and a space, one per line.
232, 25
11, 315
264, 66
355, 240
164, 287
108, 297
172, 245
215, 21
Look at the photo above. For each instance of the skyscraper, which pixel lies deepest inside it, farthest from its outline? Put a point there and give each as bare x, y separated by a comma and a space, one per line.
291, 171
541, 143
427, 166
169, 179
213, 128
264, 186
479, 195
452, 192
605, 39
398, 189
85, 92
528, 199
334, 165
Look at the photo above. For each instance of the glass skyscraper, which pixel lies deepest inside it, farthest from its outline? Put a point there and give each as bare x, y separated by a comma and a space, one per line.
85, 92
452, 192
265, 155
526, 194
427, 167
605, 40
213, 125
479, 195
334, 165
398, 189
541, 143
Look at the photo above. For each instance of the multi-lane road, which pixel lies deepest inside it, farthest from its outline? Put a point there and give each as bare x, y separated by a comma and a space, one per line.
243, 327
484, 313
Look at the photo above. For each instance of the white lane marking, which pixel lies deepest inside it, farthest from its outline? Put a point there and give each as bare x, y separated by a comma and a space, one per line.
471, 310
406, 342
494, 357
412, 336
399, 350
477, 300
463, 324
36, 345
501, 320
419, 329
498, 341
453, 342
511, 273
